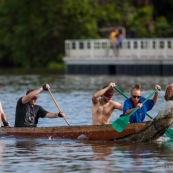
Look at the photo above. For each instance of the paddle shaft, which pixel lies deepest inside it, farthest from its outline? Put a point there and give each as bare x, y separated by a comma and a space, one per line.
57, 105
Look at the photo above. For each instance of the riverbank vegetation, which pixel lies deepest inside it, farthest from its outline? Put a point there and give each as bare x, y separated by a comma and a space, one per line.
33, 32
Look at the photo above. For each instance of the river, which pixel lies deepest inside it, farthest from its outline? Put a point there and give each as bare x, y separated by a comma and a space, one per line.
73, 95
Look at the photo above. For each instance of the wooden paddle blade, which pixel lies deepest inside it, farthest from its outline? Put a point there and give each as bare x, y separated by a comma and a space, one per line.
121, 123
169, 133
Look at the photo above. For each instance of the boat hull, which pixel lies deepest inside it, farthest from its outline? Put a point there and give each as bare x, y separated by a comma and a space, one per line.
89, 132
155, 130
135, 132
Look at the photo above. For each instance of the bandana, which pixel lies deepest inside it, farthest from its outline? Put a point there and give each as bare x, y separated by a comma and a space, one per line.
109, 95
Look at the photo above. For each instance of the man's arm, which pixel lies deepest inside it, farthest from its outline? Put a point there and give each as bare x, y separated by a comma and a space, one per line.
55, 115
101, 92
28, 97
118, 106
155, 98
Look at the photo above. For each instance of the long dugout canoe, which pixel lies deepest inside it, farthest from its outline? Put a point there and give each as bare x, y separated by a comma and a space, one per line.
86, 132
134, 132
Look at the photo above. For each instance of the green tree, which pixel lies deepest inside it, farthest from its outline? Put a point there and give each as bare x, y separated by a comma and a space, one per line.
33, 32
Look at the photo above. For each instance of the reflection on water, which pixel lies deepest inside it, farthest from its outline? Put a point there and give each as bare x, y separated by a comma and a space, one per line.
37, 155
73, 94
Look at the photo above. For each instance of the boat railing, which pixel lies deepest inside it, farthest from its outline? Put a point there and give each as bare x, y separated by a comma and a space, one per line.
130, 48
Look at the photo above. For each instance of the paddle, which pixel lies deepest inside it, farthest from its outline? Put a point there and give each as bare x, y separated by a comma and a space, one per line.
57, 105
168, 133
121, 123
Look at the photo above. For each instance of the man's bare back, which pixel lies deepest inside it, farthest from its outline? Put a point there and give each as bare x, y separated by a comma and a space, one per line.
103, 106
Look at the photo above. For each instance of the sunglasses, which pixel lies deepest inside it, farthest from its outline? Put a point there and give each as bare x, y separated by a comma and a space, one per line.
136, 97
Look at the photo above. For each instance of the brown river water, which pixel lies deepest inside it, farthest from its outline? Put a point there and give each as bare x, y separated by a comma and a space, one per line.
73, 94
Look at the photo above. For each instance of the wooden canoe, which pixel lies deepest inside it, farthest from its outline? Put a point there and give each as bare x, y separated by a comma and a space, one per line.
135, 132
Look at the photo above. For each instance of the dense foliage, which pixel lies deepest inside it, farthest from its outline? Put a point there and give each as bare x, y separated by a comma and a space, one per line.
33, 32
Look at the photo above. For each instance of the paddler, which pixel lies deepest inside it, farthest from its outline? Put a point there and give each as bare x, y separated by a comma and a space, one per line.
28, 113
103, 105
136, 100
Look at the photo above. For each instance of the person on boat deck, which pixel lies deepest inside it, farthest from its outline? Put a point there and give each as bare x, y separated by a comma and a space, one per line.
28, 113
136, 100
103, 106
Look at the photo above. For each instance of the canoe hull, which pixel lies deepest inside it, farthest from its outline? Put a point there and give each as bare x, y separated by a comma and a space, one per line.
135, 132
88, 132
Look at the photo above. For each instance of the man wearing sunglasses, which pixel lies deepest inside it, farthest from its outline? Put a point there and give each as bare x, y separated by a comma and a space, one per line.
136, 100
28, 113
103, 106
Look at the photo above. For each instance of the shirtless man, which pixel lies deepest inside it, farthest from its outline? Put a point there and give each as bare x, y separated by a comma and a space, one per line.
103, 106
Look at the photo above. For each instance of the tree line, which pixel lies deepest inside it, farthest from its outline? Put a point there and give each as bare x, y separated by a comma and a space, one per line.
32, 32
